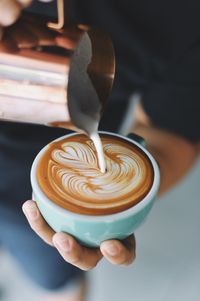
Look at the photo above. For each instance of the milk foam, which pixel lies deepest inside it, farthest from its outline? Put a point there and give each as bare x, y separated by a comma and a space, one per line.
70, 176
76, 167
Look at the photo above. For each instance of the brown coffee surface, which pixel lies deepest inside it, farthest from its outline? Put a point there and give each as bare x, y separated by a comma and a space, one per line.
68, 173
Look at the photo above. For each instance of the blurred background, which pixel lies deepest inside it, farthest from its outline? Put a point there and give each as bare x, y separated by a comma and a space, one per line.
168, 258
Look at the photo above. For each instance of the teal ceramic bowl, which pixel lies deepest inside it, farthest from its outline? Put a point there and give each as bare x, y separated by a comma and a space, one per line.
92, 230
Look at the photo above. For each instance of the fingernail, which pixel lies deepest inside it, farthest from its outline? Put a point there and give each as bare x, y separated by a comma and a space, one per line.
31, 212
112, 250
63, 244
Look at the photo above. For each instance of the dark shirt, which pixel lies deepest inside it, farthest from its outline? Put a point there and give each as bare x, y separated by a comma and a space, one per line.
157, 46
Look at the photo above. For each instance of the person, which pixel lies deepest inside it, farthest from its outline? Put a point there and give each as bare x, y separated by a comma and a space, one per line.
157, 54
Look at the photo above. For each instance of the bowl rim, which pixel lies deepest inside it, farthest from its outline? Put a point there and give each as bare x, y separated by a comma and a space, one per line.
115, 216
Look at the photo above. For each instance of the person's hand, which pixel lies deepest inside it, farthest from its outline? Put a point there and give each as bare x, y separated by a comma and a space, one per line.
116, 252
10, 11
28, 33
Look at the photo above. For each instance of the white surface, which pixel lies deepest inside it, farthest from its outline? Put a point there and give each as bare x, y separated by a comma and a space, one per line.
168, 257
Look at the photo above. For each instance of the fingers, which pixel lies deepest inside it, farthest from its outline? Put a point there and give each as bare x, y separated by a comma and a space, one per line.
65, 42
83, 27
22, 36
120, 253
44, 35
7, 46
9, 12
37, 223
24, 3
116, 252
45, 0
82, 257
69, 38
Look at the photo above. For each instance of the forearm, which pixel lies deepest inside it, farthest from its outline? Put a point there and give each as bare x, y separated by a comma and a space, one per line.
174, 154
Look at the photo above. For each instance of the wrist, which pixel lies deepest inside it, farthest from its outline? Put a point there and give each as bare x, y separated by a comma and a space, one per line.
174, 154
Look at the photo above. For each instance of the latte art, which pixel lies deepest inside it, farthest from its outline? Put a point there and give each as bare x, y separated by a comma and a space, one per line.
70, 176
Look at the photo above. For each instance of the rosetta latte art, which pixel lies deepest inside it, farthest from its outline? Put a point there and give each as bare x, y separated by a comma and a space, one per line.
75, 181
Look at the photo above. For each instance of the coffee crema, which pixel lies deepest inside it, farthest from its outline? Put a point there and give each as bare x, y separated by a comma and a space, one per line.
68, 173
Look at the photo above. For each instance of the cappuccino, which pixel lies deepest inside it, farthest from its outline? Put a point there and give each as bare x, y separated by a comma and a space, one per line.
69, 175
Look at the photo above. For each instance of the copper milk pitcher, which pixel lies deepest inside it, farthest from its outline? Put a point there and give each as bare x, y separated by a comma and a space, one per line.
54, 73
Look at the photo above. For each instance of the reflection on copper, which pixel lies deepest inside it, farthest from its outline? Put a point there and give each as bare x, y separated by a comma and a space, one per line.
61, 16
35, 64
